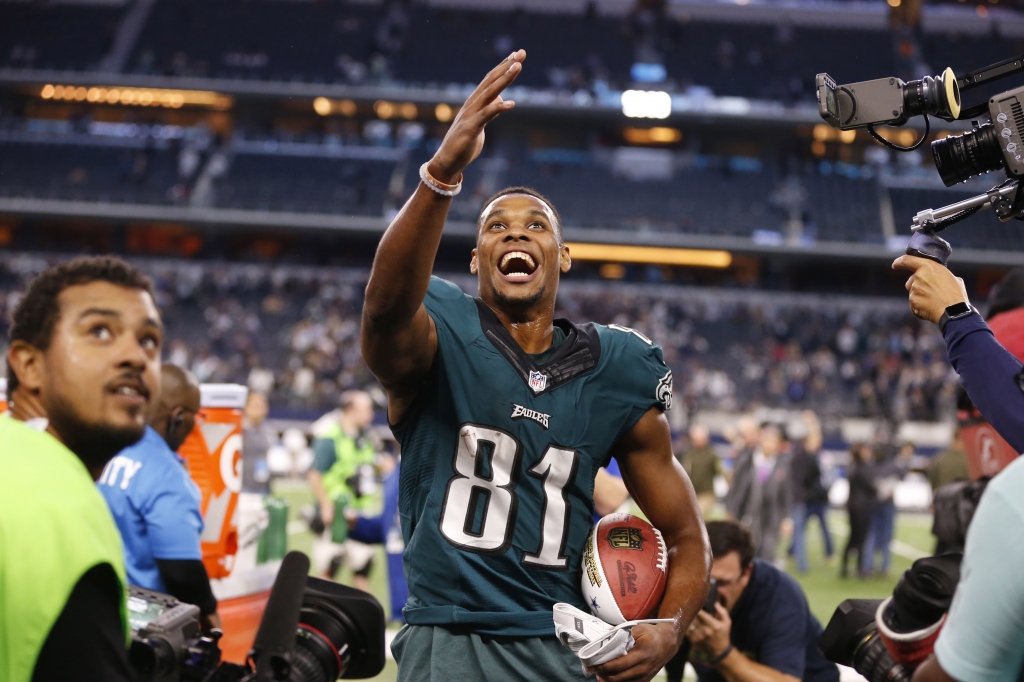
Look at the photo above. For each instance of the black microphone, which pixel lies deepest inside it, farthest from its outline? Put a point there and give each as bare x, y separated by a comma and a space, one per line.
275, 640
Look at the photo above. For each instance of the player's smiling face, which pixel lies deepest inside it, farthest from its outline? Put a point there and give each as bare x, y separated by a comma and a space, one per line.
519, 254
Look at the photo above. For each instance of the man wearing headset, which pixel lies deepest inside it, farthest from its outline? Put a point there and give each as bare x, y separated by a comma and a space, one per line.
156, 505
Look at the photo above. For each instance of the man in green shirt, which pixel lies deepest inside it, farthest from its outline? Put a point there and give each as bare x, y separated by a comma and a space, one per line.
702, 464
83, 363
342, 469
950, 466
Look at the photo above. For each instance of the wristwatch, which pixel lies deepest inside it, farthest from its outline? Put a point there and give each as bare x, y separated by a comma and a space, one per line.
954, 312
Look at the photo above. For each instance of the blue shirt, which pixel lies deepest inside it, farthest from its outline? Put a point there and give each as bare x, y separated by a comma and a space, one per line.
386, 530
772, 625
156, 507
983, 639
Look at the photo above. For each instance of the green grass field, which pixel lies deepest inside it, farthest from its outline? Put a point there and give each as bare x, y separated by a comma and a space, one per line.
822, 584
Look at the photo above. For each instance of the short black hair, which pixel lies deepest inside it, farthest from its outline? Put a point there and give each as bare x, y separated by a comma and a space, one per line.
530, 192
38, 311
731, 536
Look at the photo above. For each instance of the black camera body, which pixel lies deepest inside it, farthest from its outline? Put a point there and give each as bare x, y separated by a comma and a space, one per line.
313, 630
167, 643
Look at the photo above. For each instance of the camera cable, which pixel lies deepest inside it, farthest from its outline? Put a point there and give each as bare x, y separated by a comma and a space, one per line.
891, 145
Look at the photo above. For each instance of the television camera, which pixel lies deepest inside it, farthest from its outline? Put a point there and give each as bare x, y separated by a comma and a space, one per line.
997, 144
313, 630
886, 639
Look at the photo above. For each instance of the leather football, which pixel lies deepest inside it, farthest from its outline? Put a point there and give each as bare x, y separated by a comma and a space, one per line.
625, 568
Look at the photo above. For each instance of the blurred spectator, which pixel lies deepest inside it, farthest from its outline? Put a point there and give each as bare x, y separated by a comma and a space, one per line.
860, 505
888, 474
760, 494
950, 466
156, 505
810, 496
340, 456
702, 464
257, 437
386, 530
609, 491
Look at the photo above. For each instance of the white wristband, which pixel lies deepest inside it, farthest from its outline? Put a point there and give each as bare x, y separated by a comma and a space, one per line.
437, 185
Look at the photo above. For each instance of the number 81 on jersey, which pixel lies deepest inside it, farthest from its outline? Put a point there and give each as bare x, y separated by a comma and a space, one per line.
489, 530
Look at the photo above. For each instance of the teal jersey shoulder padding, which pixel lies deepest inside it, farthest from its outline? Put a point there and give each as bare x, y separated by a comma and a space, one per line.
499, 457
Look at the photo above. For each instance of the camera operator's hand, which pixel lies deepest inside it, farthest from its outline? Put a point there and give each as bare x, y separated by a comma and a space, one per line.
709, 635
932, 287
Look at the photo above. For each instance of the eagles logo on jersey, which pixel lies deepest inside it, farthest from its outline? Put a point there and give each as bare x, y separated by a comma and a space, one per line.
498, 465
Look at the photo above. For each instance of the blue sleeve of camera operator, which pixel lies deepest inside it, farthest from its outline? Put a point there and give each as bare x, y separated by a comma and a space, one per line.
990, 375
981, 641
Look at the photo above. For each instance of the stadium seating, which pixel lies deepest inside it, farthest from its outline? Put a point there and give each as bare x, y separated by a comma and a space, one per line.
130, 173
324, 185
56, 36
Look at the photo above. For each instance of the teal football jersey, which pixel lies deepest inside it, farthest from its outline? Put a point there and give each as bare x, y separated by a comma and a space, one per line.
499, 456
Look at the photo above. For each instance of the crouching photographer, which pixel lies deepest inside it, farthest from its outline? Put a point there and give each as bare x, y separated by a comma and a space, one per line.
983, 638
761, 629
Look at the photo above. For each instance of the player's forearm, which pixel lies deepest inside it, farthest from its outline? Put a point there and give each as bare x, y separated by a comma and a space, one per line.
688, 570
316, 484
738, 668
404, 260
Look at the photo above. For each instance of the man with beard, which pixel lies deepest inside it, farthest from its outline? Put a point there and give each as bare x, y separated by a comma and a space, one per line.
505, 415
84, 358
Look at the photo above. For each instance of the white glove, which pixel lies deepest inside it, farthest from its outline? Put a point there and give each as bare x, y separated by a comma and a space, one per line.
592, 640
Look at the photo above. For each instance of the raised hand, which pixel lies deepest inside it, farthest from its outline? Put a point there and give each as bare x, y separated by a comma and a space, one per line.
465, 138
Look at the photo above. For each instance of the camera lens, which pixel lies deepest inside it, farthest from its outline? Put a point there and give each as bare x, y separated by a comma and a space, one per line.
958, 157
326, 639
874, 662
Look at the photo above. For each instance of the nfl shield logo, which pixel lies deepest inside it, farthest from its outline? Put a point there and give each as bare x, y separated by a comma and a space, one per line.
538, 382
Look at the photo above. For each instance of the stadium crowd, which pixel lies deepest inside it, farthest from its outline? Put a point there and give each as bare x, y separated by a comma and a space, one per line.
292, 333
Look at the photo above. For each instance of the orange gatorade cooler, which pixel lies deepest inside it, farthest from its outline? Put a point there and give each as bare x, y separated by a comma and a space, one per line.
3, 395
233, 520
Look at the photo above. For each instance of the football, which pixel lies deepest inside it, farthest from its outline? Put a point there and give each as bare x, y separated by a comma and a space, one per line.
625, 567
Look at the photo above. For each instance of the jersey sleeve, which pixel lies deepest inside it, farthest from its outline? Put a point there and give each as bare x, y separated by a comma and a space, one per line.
172, 518
638, 373
450, 307
324, 455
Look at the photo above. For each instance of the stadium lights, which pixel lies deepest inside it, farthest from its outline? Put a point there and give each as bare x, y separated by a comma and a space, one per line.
444, 112
139, 97
653, 255
646, 104
826, 133
385, 110
325, 107
656, 135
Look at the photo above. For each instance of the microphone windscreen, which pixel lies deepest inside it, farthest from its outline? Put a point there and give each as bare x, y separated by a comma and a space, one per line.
275, 638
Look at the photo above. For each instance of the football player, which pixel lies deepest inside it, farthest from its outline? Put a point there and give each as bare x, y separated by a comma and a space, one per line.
505, 415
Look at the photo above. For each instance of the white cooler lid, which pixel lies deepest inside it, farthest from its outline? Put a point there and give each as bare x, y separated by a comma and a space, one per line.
223, 395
